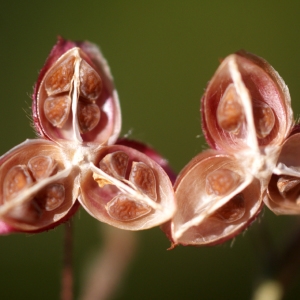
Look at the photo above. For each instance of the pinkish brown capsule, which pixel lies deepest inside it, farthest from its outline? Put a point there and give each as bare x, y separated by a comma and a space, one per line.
216, 200
246, 117
77, 114
74, 98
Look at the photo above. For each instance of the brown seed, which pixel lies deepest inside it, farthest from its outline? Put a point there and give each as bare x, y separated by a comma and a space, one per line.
59, 78
232, 211
230, 114
88, 116
57, 110
52, 196
264, 119
41, 166
144, 179
221, 182
16, 180
115, 164
124, 209
90, 82
28, 212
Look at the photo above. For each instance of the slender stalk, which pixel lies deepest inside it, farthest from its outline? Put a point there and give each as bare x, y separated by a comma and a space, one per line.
67, 272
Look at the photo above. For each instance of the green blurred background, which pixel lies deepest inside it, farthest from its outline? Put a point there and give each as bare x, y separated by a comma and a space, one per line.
162, 54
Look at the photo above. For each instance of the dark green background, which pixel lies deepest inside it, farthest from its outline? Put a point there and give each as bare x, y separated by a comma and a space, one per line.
162, 54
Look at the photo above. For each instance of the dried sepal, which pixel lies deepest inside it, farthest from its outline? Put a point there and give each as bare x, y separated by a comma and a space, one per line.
74, 98
37, 187
246, 105
127, 189
216, 200
284, 187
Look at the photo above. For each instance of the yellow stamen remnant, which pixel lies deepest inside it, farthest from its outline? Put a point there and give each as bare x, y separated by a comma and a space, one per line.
100, 180
221, 182
232, 211
123, 209
230, 115
144, 179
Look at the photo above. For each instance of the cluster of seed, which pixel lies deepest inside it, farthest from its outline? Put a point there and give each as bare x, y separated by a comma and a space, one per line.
135, 174
21, 177
59, 85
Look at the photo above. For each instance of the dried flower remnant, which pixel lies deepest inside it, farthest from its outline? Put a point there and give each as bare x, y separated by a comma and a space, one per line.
76, 112
220, 192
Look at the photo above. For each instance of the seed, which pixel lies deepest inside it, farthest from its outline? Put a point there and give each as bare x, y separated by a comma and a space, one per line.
144, 179
230, 114
52, 196
264, 119
16, 180
90, 82
57, 110
115, 164
88, 116
221, 182
232, 211
59, 78
124, 209
41, 166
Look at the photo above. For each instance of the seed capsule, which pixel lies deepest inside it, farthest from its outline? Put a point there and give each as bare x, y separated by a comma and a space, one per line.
75, 99
128, 190
245, 106
216, 199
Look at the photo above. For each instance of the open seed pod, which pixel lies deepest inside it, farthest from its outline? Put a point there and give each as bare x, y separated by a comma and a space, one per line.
246, 106
127, 189
216, 200
37, 189
74, 98
284, 187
